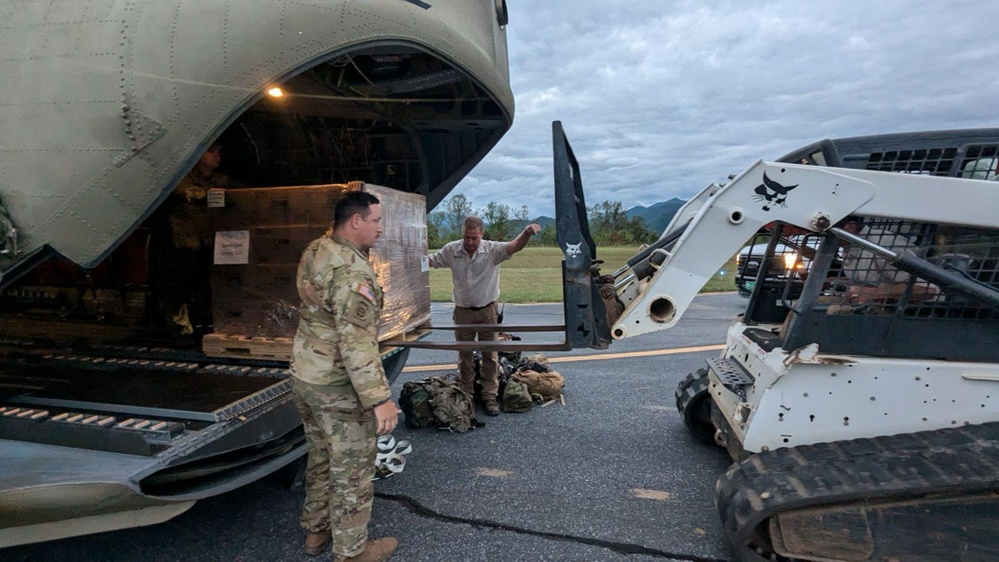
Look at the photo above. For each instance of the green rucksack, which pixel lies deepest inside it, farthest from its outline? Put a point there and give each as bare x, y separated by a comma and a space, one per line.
451, 405
516, 397
414, 400
437, 402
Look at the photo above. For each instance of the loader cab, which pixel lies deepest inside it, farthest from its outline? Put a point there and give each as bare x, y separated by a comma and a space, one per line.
822, 153
782, 268
778, 258
853, 302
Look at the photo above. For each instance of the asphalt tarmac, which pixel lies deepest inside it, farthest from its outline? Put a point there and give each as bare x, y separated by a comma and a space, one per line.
611, 475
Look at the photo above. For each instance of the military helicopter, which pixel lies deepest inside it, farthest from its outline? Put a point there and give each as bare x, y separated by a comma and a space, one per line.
107, 421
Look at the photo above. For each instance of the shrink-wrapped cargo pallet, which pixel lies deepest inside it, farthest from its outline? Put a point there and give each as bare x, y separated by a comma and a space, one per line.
259, 238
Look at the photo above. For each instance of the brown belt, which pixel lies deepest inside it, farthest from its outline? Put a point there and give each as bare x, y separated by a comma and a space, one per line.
478, 308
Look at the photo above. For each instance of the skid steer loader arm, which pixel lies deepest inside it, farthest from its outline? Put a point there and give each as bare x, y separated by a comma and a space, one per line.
809, 197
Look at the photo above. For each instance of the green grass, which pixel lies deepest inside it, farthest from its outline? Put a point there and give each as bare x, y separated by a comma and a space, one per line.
535, 275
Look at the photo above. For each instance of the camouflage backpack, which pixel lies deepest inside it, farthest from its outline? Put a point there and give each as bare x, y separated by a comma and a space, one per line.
414, 400
452, 406
516, 397
536, 362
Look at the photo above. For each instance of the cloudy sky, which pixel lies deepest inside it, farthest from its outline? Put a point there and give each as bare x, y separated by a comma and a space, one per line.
659, 97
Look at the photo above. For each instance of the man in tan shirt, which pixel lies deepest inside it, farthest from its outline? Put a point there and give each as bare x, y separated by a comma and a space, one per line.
474, 264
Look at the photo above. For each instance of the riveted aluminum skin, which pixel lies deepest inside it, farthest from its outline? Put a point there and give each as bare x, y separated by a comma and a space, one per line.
105, 105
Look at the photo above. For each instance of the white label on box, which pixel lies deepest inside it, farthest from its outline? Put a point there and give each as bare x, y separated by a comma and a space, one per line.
425, 264
232, 247
216, 198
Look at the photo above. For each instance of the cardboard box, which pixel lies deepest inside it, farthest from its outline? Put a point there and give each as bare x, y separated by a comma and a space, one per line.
260, 299
237, 316
281, 245
287, 206
239, 210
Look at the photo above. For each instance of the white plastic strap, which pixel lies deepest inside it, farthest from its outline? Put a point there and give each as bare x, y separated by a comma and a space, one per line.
390, 458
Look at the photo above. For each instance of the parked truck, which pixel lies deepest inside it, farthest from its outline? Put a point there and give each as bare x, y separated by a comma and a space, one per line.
110, 418
858, 398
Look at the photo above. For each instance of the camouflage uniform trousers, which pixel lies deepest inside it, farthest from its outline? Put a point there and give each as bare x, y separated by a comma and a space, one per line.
341, 465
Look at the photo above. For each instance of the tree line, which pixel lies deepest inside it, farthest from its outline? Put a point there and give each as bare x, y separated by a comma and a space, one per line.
609, 223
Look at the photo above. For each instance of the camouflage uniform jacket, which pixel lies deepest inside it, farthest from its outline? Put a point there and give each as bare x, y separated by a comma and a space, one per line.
188, 219
337, 339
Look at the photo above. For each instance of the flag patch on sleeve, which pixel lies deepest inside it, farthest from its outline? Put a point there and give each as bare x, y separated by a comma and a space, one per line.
363, 290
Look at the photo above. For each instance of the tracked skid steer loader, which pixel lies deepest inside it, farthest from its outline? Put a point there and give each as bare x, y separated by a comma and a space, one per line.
859, 392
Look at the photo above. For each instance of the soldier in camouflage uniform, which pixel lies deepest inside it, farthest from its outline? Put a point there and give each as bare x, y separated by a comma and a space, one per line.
339, 383
185, 256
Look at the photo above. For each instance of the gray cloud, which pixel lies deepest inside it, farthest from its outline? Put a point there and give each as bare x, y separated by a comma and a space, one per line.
659, 98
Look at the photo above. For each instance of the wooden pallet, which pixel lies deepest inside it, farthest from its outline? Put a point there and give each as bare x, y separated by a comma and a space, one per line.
221, 345
279, 348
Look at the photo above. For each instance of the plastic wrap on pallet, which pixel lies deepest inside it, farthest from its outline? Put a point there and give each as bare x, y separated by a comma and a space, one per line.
258, 298
400, 261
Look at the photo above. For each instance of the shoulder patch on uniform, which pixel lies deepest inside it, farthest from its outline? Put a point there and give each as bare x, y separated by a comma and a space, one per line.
363, 290
360, 311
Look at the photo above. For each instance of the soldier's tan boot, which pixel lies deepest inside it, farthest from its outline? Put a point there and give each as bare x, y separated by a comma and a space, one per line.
378, 550
315, 543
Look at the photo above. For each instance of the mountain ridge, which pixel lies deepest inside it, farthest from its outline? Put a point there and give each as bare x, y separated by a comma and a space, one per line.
656, 216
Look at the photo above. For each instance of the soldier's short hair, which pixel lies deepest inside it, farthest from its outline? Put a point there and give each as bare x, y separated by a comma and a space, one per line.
475, 223
355, 202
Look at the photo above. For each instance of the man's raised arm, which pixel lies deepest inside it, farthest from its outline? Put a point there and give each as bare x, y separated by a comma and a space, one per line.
518, 243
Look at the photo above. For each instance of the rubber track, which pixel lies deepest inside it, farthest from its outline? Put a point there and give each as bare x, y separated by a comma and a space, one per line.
949, 461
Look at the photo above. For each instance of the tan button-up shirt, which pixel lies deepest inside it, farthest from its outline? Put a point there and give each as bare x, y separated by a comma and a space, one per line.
476, 277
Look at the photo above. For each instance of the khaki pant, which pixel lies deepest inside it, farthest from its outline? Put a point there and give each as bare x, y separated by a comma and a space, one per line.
466, 364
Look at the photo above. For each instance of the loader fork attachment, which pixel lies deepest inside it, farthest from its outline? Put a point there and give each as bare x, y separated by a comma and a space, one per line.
586, 322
